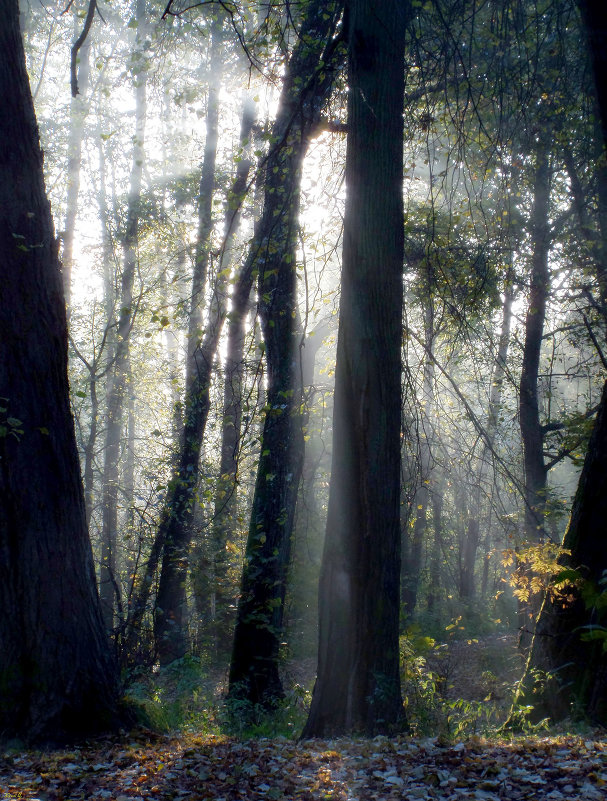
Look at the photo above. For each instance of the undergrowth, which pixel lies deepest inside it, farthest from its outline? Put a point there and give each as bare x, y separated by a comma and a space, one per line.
184, 696
452, 690
441, 700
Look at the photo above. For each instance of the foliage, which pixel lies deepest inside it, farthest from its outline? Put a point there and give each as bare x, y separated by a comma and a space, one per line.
432, 686
286, 719
534, 568
11, 426
181, 695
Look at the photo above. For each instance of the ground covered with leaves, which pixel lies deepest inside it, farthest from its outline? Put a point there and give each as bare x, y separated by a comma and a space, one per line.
217, 768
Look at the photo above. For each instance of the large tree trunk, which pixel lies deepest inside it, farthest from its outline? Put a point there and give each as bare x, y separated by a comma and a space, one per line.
576, 668
58, 676
358, 684
255, 655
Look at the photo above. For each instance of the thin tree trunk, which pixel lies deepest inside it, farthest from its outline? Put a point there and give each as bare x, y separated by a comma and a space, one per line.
529, 408
434, 595
473, 534
176, 528
531, 429
254, 672
117, 385
78, 112
219, 601
414, 537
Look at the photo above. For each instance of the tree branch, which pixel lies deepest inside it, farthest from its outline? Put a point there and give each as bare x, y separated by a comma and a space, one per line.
90, 14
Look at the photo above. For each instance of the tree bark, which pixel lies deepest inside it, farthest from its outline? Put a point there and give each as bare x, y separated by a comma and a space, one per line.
358, 682
531, 429
572, 671
58, 677
307, 83
575, 669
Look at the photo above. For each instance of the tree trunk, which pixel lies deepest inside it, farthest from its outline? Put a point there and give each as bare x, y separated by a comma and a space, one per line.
255, 654
414, 537
576, 668
109, 587
535, 470
58, 676
473, 534
176, 528
358, 683
78, 112
573, 671
436, 558
220, 601
531, 429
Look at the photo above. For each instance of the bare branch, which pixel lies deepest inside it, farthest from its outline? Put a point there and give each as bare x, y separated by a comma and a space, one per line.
90, 14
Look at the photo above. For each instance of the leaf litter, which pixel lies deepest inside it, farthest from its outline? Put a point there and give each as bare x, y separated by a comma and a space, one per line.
216, 768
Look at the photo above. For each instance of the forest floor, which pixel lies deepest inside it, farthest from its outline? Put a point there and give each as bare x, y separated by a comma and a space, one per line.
472, 680
217, 768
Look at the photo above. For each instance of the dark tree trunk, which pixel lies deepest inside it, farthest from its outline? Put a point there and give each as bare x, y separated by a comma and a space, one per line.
531, 429
532, 434
220, 601
58, 678
255, 654
576, 669
358, 681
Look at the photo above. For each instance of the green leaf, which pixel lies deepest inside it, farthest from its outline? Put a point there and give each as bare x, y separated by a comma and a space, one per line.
567, 575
